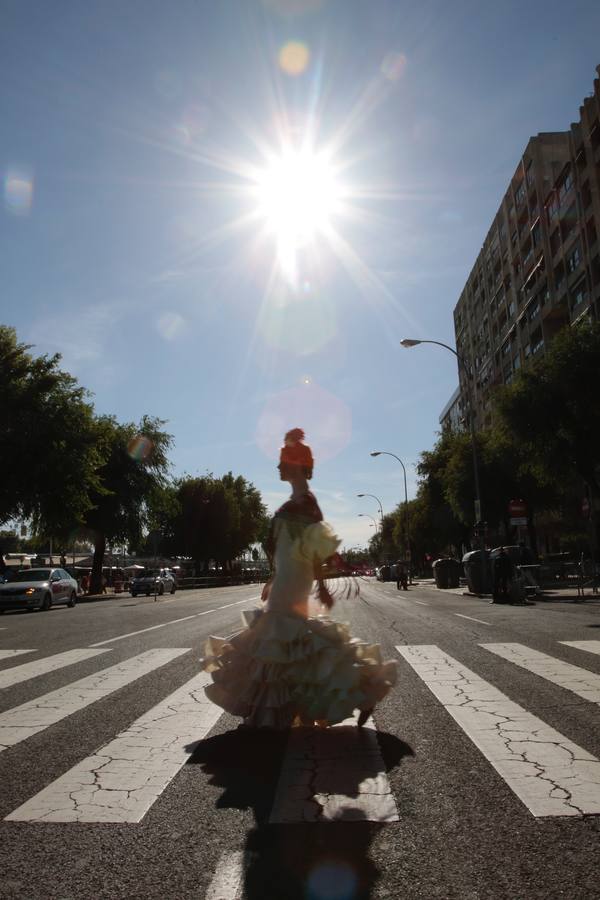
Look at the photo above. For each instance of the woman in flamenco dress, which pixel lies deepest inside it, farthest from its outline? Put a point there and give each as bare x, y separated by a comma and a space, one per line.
287, 667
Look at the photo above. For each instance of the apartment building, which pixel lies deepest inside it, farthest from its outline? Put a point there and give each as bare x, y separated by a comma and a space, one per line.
539, 268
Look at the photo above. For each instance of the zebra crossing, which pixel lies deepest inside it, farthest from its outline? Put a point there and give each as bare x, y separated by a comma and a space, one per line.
323, 773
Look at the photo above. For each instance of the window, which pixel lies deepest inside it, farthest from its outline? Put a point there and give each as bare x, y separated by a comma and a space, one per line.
533, 310
536, 234
565, 186
529, 177
579, 294
574, 259
517, 362
537, 341
520, 194
511, 308
569, 223
554, 241
553, 207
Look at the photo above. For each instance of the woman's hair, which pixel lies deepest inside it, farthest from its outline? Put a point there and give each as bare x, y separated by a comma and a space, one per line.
296, 453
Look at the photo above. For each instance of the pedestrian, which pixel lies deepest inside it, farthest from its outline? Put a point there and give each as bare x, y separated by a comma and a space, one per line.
104, 591
85, 583
287, 667
401, 576
503, 572
3, 566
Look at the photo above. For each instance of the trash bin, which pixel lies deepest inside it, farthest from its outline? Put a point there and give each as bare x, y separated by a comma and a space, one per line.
477, 571
446, 572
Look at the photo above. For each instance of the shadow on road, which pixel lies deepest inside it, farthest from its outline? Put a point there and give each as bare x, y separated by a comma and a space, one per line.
299, 861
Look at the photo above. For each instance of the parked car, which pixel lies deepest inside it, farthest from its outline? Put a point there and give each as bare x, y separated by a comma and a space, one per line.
38, 589
160, 581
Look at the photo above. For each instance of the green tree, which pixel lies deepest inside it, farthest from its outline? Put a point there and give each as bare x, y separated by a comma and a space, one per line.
48, 440
552, 410
217, 518
133, 471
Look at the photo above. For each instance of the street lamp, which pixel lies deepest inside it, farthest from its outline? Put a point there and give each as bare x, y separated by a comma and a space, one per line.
378, 500
386, 453
411, 342
374, 525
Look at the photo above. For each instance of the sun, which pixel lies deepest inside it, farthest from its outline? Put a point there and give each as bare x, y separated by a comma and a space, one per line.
298, 197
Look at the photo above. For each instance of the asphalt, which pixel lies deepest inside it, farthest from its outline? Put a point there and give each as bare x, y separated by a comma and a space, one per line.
462, 833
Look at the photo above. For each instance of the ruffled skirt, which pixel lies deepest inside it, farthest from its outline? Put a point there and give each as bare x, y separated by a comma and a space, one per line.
283, 670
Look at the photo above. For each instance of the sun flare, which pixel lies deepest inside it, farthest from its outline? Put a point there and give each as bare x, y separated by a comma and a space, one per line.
298, 197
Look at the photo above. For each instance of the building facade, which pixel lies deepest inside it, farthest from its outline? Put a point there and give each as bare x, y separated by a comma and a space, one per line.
539, 268
452, 416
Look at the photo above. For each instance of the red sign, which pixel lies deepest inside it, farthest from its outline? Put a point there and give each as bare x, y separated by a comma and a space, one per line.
517, 508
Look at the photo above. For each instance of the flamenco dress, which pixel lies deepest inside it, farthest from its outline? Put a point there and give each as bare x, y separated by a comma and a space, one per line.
286, 667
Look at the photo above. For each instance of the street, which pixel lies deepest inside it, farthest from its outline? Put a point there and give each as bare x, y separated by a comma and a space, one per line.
479, 778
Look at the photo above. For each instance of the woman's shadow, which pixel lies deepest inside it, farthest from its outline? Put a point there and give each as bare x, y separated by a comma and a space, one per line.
302, 855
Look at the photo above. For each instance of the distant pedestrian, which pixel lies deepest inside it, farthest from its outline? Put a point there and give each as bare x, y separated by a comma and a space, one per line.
503, 573
401, 576
85, 583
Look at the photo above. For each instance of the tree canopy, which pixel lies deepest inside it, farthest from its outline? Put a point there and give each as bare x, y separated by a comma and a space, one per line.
552, 409
48, 441
214, 518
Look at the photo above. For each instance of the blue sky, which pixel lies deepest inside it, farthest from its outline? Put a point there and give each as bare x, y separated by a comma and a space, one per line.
136, 238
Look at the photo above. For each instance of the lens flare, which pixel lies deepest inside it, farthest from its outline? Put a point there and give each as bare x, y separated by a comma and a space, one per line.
18, 193
140, 447
393, 66
332, 881
294, 58
325, 418
170, 325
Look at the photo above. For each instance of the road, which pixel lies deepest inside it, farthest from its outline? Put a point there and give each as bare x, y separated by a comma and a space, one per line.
479, 778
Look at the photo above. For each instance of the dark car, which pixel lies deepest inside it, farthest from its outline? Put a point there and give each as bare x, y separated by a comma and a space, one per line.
38, 589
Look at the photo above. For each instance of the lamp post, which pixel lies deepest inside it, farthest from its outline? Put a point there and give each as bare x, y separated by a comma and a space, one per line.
379, 502
410, 342
407, 540
370, 517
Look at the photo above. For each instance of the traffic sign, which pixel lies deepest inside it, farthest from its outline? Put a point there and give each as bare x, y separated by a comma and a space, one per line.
517, 508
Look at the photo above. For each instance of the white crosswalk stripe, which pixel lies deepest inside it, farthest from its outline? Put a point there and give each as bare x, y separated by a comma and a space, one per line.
581, 682
122, 780
550, 774
24, 672
9, 654
21, 722
588, 646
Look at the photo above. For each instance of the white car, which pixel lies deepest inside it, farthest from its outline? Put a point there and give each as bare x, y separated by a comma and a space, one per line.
37, 589
158, 581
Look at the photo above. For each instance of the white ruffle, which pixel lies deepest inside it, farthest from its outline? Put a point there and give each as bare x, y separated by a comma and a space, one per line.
284, 669
318, 543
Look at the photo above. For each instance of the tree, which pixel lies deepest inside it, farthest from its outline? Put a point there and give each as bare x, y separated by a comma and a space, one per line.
216, 518
132, 472
552, 410
48, 440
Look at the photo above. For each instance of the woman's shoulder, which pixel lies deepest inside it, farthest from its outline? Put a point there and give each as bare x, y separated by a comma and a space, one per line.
303, 508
